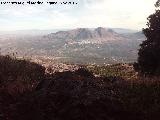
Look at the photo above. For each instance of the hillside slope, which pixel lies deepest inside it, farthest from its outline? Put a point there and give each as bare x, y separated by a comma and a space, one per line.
27, 93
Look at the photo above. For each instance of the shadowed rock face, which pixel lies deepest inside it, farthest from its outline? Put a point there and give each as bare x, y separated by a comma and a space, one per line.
102, 32
83, 33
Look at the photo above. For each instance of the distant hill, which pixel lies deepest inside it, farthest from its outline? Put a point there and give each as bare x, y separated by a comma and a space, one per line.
80, 34
100, 45
81, 45
123, 30
32, 32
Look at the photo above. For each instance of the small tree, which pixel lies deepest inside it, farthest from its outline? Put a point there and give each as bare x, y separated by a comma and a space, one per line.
149, 52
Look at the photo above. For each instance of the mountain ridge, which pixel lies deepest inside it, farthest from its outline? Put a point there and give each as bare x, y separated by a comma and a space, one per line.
82, 45
84, 34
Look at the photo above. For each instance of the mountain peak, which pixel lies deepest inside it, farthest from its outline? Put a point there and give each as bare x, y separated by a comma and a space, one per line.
103, 32
81, 29
100, 28
85, 34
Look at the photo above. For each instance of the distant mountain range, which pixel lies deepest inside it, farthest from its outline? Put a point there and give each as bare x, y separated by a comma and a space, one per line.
81, 45
123, 30
35, 32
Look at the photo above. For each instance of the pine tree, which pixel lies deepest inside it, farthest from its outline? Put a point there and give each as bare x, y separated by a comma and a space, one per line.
149, 52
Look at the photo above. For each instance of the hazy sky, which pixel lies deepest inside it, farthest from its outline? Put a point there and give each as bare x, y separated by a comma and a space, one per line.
87, 13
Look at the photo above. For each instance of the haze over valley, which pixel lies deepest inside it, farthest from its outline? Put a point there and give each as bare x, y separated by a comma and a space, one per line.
82, 45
